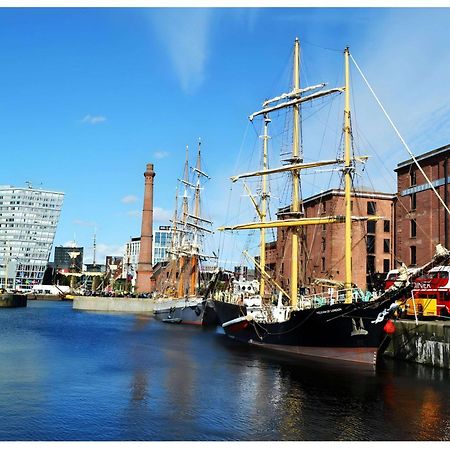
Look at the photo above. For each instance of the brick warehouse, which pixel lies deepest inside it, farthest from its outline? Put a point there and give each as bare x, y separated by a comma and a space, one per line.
323, 251
420, 219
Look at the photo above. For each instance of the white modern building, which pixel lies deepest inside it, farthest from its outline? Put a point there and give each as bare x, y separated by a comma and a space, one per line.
162, 238
130, 260
28, 221
161, 243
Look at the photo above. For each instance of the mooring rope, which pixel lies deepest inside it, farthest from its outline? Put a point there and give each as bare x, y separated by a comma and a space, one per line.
400, 136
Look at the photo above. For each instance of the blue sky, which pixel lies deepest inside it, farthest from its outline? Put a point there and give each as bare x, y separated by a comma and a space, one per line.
89, 96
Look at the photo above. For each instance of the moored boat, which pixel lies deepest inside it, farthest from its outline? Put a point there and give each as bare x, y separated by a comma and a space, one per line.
340, 326
182, 298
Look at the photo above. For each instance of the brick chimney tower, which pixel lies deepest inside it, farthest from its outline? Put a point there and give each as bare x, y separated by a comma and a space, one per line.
145, 268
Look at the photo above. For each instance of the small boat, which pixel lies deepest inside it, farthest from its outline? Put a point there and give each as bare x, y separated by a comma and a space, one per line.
340, 327
190, 311
182, 294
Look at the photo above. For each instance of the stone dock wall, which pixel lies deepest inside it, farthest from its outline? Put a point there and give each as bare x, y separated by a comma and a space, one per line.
425, 342
114, 304
13, 301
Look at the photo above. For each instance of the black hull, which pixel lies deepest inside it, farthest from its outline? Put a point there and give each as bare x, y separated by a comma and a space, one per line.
343, 332
201, 313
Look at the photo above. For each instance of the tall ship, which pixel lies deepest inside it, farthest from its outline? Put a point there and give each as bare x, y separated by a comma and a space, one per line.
183, 289
341, 326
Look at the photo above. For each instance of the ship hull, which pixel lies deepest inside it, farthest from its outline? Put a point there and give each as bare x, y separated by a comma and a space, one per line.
344, 332
198, 312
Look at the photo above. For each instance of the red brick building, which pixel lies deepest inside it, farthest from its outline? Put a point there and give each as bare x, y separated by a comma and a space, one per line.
322, 252
421, 221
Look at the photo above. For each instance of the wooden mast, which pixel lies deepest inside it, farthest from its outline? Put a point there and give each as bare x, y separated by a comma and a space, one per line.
194, 257
263, 214
296, 222
295, 183
348, 183
174, 242
185, 212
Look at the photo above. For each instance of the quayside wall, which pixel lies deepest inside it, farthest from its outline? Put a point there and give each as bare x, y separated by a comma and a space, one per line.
113, 304
13, 301
425, 342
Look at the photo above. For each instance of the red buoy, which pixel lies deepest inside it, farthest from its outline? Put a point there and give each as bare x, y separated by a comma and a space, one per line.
389, 327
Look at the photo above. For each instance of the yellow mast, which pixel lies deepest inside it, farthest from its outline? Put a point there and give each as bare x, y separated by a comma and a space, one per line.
348, 184
295, 183
263, 215
304, 221
295, 224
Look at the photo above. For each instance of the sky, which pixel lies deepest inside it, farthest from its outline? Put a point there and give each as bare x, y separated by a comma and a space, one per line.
89, 96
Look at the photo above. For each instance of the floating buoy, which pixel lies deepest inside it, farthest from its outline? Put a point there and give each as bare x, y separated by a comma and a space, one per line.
389, 327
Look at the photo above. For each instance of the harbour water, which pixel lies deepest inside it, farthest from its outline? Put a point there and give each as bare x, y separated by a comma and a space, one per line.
71, 375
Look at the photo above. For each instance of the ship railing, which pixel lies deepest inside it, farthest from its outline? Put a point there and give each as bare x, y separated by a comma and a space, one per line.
270, 313
231, 297
334, 296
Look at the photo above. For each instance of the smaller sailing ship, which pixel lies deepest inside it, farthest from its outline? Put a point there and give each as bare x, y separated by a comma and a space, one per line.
340, 328
182, 294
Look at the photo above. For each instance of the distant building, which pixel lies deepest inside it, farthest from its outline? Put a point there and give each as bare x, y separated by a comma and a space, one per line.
68, 259
421, 220
240, 271
130, 260
162, 239
114, 266
28, 221
94, 268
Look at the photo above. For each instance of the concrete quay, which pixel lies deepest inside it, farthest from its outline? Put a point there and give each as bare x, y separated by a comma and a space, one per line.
425, 342
13, 300
114, 304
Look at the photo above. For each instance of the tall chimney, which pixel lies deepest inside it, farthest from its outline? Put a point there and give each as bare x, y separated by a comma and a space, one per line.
145, 268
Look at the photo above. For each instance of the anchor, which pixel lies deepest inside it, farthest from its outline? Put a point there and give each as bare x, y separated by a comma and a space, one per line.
361, 331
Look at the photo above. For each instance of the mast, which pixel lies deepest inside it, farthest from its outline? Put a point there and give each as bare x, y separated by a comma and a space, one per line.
95, 248
197, 186
194, 257
295, 165
185, 181
185, 213
295, 182
174, 242
263, 214
348, 183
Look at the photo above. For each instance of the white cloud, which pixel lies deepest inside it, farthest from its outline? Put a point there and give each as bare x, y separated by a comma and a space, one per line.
161, 215
134, 213
161, 154
186, 36
129, 199
84, 223
407, 63
93, 120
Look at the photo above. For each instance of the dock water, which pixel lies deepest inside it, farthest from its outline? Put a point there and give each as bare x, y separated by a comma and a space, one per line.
427, 342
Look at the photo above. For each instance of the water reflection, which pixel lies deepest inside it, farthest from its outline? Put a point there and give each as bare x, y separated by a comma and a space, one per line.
77, 376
